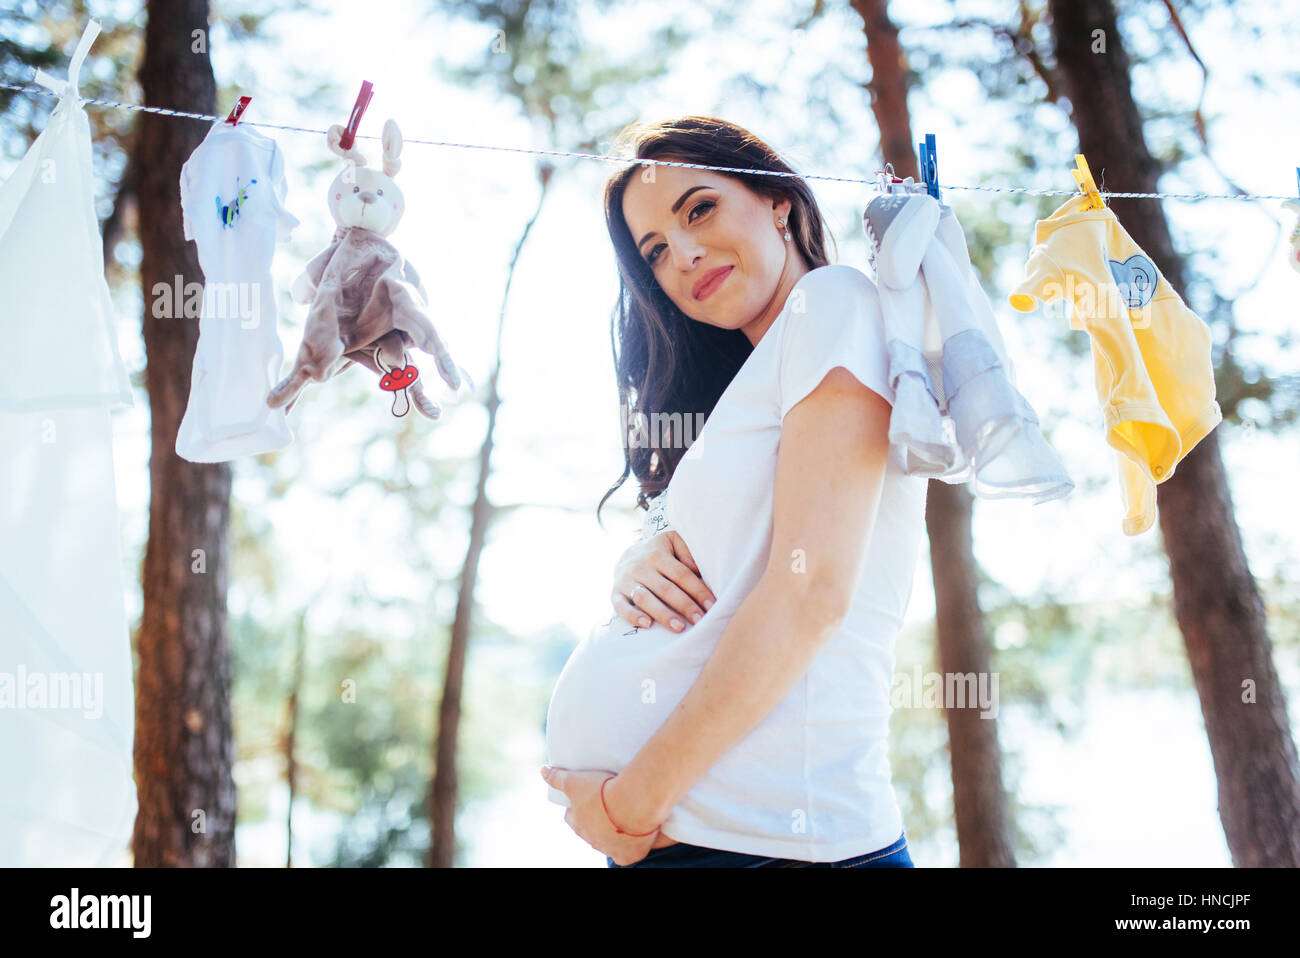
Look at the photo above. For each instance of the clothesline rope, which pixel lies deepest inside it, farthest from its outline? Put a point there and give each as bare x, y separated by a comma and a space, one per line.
163, 111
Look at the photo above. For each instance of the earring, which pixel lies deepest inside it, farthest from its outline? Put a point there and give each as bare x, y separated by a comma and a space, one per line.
782, 222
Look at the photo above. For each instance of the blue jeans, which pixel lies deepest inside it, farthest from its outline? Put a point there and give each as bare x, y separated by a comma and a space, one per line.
682, 855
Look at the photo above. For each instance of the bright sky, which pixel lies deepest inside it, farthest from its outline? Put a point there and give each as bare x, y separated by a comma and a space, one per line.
557, 437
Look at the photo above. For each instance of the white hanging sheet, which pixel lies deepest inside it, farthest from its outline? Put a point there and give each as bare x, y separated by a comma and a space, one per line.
66, 692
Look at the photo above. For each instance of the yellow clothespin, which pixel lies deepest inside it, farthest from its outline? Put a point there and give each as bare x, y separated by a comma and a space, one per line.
1083, 176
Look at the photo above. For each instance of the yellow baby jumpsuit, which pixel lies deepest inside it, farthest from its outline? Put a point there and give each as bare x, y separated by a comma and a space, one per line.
1151, 353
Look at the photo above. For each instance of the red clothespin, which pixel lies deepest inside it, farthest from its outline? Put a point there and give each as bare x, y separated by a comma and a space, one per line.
359, 108
238, 111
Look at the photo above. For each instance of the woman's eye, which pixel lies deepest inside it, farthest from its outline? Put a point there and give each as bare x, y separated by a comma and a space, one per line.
706, 204
700, 206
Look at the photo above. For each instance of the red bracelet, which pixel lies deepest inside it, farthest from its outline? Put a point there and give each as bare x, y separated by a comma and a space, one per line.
611, 818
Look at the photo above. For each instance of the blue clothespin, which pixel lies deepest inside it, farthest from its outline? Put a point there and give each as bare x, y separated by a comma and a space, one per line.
929, 165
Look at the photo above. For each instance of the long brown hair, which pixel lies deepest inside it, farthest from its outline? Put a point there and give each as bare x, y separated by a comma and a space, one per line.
665, 362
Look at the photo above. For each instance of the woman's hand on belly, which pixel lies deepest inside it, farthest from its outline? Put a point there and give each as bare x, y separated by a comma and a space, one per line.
586, 815
657, 578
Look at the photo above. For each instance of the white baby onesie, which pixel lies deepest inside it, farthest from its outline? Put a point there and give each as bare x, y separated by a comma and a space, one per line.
232, 200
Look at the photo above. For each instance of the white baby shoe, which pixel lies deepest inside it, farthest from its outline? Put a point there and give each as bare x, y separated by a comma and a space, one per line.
899, 225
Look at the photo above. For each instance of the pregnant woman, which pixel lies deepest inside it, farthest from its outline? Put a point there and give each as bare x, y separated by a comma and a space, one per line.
753, 730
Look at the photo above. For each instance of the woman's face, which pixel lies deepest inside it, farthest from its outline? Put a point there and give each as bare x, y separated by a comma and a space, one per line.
713, 245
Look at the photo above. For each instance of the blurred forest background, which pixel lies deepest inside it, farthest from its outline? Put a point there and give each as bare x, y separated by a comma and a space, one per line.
394, 599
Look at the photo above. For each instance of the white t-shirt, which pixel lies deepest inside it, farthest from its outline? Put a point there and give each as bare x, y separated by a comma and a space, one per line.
232, 202
812, 780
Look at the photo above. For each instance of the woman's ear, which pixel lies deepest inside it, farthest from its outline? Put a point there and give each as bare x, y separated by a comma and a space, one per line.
782, 209
392, 140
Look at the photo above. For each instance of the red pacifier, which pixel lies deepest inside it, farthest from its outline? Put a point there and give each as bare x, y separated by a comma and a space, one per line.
396, 381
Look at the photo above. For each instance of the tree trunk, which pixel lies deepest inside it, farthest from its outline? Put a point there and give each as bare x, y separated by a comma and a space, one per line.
979, 800
443, 793
183, 741
1216, 602
291, 737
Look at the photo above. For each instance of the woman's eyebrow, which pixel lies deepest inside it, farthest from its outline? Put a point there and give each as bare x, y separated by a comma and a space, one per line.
676, 206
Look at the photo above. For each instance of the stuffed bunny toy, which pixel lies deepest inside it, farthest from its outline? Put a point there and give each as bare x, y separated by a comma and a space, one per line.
367, 302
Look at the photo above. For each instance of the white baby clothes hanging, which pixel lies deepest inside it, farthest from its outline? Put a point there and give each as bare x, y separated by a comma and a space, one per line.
67, 702
957, 415
996, 428
232, 198
898, 227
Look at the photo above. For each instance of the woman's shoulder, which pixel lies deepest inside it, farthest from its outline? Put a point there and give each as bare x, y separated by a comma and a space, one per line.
834, 319
838, 291
838, 279
831, 296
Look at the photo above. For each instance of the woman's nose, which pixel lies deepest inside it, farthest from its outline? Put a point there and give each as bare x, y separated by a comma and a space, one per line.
685, 253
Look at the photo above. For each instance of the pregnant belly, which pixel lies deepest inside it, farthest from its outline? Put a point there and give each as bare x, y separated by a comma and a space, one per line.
619, 686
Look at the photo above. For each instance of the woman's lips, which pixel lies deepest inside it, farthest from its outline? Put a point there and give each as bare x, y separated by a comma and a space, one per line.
711, 281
